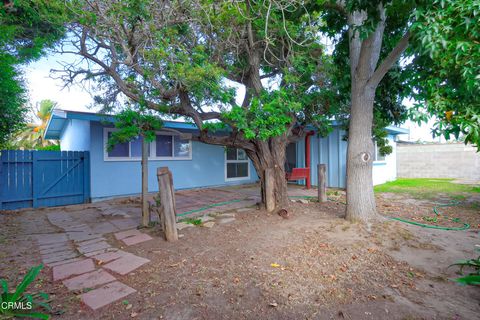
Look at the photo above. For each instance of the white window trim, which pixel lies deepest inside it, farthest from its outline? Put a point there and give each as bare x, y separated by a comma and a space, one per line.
237, 161
375, 161
153, 149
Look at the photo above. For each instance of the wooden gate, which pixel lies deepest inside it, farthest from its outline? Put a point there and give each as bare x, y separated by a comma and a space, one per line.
43, 178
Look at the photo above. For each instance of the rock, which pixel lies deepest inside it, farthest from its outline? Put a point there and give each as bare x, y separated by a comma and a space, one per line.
226, 220
181, 235
208, 224
244, 210
183, 225
226, 215
302, 201
206, 218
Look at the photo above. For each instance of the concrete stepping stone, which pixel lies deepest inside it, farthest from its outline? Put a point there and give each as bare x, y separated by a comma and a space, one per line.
130, 241
89, 280
59, 263
87, 242
58, 256
53, 245
73, 268
105, 295
104, 228
97, 252
124, 224
49, 238
93, 247
109, 256
82, 236
126, 264
64, 247
125, 234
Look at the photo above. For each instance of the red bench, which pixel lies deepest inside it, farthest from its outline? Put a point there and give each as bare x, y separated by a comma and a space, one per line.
298, 174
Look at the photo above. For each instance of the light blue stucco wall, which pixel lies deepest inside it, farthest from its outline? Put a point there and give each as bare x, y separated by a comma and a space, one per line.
75, 136
117, 178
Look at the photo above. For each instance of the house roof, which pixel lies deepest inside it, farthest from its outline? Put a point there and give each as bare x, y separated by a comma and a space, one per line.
59, 118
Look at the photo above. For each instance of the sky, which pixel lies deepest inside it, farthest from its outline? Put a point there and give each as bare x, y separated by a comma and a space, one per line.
42, 85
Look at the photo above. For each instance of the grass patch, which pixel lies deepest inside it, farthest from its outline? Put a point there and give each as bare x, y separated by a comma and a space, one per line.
195, 222
427, 188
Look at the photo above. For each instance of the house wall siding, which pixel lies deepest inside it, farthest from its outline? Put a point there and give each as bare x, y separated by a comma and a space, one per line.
387, 170
117, 178
75, 136
332, 151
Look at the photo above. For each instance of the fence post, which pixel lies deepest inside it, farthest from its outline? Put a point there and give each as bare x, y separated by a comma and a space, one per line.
166, 210
322, 182
269, 189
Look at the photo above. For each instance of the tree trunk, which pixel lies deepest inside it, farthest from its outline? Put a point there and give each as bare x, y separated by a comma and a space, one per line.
145, 210
360, 197
271, 155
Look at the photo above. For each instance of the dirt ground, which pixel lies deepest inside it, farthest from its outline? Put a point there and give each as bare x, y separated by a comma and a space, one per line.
314, 265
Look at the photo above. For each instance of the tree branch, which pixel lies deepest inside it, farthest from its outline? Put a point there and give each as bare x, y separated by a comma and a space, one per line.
388, 62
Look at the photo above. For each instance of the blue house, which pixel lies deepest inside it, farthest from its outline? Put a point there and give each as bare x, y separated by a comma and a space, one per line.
193, 164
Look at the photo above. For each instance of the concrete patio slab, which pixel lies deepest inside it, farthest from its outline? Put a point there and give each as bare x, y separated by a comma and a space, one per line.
89, 280
105, 295
74, 268
126, 264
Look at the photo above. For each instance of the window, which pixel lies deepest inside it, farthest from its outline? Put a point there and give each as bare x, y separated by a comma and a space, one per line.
236, 164
166, 146
378, 155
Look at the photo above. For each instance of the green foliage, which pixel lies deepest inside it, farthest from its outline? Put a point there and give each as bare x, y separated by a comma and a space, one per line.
473, 277
31, 136
53, 147
19, 297
195, 222
132, 124
447, 69
27, 28
12, 100
268, 115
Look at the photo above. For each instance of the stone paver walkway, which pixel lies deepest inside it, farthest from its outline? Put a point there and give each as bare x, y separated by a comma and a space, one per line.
88, 264
73, 252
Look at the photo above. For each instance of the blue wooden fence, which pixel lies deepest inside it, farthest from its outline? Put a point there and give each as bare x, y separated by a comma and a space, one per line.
43, 178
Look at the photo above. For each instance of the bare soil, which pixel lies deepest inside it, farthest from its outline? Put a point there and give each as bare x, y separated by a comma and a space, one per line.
314, 265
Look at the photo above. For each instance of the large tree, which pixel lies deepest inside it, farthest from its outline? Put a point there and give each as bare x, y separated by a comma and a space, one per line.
378, 34
188, 58
27, 28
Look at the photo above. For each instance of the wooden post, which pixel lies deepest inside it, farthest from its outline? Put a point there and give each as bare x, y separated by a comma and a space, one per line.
322, 183
145, 209
269, 189
167, 203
